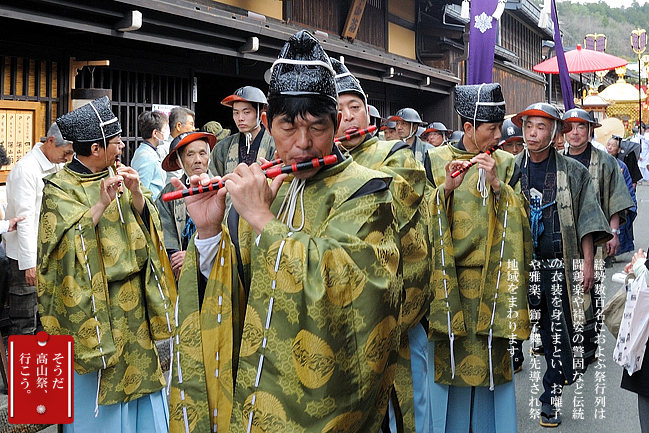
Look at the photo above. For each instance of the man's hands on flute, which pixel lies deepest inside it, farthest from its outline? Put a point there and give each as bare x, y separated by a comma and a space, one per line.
250, 193
107, 192
206, 210
132, 182
488, 164
451, 183
484, 161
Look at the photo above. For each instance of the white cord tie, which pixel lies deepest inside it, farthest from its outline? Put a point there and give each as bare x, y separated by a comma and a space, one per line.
287, 209
248, 141
97, 396
482, 186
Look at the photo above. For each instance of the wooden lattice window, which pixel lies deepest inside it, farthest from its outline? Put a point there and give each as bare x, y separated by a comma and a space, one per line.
133, 93
34, 81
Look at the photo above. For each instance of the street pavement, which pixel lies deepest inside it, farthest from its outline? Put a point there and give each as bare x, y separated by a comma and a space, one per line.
620, 407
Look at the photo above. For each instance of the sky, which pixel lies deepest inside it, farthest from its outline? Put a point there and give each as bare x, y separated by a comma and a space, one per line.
611, 3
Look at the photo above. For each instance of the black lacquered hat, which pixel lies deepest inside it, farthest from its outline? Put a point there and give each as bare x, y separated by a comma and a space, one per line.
480, 102
345, 81
302, 69
90, 123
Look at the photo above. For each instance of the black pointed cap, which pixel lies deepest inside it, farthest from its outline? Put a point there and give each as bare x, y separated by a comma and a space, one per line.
345, 81
86, 123
302, 69
488, 98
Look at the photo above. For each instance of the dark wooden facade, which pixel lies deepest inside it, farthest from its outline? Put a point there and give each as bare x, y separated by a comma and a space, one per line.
522, 39
330, 15
187, 53
519, 93
33, 80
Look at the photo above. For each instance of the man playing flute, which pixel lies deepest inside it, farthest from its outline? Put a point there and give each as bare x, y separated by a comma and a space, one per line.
410, 191
104, 278
299, 331
482, 254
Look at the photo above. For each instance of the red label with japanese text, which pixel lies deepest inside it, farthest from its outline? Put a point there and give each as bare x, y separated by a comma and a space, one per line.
41, 379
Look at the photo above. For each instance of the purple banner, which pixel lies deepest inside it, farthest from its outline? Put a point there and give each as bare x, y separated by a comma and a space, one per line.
564, 75
482, 41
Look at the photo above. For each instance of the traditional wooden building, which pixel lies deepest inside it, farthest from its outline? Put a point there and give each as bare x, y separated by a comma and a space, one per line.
195, 52
518, 49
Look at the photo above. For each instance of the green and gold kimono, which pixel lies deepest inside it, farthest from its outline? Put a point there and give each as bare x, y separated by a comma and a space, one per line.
109, 286
609, 184
225, 155
473, 290
410, 192
314, 323
580, 214
420, 148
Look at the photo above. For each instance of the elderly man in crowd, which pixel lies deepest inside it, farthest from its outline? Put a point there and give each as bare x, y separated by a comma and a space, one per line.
24, 196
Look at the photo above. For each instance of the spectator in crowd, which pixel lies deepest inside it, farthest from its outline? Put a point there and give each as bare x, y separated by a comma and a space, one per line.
146, 159
626, 229
181, 120
638, 382
10, 224
252, 141
190, 153
24, 196
618, 148
642, 137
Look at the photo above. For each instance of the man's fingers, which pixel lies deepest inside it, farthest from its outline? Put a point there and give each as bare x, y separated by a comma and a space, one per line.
177, 183
277, 183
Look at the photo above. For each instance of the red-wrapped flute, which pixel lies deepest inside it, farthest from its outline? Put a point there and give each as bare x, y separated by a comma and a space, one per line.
456, 173
269, 164
370, 129
271, 172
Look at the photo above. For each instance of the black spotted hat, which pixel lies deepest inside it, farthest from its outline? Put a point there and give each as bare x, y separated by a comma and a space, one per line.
480, 102
90, 123
345, 81
302, 69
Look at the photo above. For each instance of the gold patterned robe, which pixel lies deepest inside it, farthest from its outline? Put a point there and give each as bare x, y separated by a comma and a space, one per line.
410, 192
468, 237
321, 317
109, 286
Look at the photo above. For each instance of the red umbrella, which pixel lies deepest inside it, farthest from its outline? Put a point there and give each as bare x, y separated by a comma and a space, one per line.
580, 60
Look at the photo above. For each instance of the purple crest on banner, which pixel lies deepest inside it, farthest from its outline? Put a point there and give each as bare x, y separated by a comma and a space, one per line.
482, 41
564, 75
